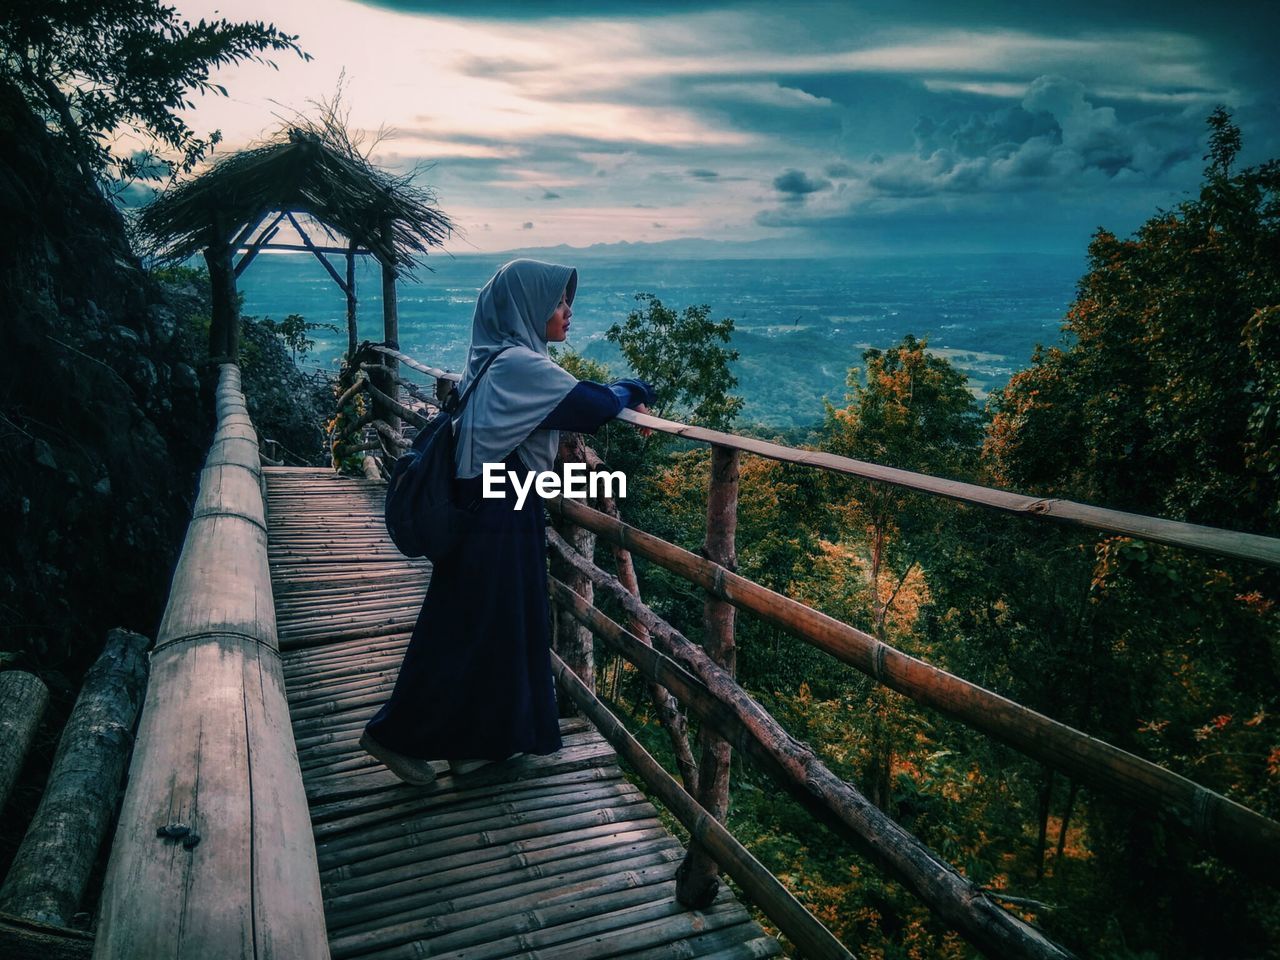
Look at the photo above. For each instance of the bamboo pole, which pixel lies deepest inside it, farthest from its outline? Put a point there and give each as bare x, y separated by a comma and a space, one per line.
213, 853
350, 291
50, 871
390, 332
718, 700
792, 918
696, 882
23, 697
396, 410
1227, 543
1224, 827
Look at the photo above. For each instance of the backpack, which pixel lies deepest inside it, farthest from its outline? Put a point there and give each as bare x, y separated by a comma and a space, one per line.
420, 514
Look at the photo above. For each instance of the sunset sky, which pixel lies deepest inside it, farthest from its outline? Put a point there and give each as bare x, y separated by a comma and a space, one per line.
826, 127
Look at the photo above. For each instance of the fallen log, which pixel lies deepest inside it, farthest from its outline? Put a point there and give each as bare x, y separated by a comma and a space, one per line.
51, 869
23, 697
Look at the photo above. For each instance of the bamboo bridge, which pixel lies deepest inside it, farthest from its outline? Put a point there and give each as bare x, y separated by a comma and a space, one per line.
254, 825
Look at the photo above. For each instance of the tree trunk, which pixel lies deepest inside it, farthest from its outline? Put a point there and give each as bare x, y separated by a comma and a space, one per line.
696, 882
1066, 820
23, 697
52, 866
1046, 795
26, 940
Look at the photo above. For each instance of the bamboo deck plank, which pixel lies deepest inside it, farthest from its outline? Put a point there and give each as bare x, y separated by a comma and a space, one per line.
555, 856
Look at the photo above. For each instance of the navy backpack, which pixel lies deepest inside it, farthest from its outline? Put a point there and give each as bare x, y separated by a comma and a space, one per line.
420, 513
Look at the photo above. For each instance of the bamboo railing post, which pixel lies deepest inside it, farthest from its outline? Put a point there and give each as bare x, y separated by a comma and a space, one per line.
718, 700
51, 869
1223, 826
696, 881
792, 918
23, 697
214, 854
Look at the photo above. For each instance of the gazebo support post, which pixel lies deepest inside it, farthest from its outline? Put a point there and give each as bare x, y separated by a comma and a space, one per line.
224, 320
388, 381
350, 291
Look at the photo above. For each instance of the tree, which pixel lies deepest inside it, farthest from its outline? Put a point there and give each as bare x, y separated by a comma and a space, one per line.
679, 355
913, 412
94, 70
1160, 400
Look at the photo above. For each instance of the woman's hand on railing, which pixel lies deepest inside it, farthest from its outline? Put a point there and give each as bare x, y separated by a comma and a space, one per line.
644, 431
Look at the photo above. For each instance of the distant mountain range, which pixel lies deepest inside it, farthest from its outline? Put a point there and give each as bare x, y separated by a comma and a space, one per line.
684, 248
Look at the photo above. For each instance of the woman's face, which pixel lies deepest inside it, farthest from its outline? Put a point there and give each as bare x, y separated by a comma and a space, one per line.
558, 324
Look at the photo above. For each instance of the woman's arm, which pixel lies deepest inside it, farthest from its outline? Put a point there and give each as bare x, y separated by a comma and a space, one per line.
589, 406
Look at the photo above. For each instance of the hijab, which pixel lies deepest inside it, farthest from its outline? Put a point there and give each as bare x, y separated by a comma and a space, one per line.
523, 384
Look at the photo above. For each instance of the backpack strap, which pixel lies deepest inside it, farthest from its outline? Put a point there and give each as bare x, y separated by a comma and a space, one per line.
462, 400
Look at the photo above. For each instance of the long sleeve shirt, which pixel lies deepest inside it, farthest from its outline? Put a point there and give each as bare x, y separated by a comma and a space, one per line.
589, 405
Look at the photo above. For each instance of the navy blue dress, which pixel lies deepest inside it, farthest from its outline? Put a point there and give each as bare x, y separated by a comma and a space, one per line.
476, 680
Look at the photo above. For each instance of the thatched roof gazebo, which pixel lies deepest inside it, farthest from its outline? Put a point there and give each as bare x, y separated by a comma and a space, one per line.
313, 169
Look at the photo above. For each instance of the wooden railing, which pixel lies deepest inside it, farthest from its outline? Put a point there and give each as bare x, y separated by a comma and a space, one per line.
213, 854
703, 683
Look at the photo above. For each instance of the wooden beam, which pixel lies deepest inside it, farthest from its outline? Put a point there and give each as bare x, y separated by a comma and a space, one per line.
252, 250
303, 248
1226, 543
1225, 828
716, 699
315, 251
805, 930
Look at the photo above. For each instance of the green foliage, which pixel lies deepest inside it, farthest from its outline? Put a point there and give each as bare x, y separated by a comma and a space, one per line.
680, 355
293, 330
92, 69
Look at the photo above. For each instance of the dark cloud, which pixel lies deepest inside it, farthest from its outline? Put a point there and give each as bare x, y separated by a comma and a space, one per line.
1055, 137
839, 171
528, 225
795, 185
703, 174
551, 195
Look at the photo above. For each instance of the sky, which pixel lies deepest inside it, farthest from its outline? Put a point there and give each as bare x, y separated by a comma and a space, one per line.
819, 128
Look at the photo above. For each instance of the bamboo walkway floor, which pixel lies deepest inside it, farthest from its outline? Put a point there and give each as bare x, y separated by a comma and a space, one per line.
542, 857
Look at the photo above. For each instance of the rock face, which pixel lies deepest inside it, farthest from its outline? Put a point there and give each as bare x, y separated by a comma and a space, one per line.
103, 423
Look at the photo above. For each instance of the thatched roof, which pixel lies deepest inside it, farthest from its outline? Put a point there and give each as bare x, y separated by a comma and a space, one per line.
310, 168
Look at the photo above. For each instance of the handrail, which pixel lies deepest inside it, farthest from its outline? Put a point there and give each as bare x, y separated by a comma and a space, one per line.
715, 698
804, 929
213, 853
1192, 536
1225, 827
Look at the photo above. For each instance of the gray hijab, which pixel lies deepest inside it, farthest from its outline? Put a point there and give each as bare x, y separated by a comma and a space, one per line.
524, 384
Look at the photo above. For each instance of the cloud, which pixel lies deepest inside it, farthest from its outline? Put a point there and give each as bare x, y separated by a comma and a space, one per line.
551, 195
528, 225
795, 185
1056, 137
703, 174
768, 94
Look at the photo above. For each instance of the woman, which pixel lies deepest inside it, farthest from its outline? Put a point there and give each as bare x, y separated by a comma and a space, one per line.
476, 684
